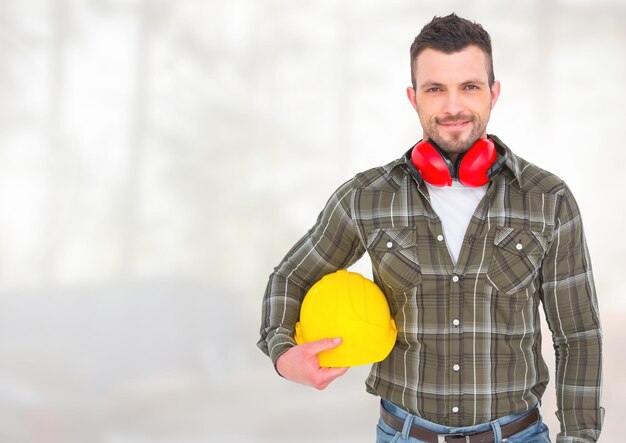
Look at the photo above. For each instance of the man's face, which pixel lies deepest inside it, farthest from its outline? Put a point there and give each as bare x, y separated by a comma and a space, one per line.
452, 97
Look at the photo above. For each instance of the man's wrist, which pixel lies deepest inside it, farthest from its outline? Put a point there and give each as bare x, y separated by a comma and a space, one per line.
279, 349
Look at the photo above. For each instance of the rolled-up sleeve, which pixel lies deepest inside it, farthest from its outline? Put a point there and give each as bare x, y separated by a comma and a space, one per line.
571, 308
331, 244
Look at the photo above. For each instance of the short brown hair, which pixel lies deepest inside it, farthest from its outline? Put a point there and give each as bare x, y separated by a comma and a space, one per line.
451, 34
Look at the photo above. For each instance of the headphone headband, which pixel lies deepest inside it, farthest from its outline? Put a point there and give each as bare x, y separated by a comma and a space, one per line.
474, 167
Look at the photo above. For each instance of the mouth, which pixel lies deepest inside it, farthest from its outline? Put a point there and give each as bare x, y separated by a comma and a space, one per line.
455, 126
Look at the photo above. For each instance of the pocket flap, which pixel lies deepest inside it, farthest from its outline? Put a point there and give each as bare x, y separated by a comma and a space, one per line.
392, 238
520, 241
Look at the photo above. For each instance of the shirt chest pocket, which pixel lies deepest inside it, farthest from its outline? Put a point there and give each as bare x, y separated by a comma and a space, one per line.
516, 259
393, 252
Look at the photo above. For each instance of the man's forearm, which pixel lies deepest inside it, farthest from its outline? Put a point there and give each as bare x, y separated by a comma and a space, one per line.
578, 387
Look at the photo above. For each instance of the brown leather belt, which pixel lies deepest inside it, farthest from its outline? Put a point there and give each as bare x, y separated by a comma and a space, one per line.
483, 437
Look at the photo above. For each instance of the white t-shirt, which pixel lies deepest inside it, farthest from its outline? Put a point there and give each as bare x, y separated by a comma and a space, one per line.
455, 206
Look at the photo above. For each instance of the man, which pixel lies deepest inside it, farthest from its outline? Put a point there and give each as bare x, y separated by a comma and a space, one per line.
466, 240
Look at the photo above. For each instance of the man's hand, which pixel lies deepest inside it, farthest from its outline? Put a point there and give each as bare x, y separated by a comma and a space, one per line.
301, 365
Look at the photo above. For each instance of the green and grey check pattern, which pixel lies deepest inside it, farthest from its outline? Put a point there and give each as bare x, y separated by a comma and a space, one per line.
469, 339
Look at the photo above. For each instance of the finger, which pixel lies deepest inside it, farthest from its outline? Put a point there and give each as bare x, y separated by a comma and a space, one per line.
328, 375
323, 386
315, 347
333, 373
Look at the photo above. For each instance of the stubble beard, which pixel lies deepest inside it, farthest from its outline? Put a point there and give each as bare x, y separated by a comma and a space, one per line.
454, 144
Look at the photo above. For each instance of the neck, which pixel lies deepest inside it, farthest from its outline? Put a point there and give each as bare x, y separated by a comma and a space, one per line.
452, 157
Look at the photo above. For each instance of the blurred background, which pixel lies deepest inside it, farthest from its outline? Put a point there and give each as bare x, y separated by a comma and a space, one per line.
158, 159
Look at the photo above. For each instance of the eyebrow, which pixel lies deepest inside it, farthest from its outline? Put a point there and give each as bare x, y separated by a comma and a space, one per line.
474, 82
434, 84
430, 84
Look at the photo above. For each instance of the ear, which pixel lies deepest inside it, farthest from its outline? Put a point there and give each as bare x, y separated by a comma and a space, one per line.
495, 93
410, 93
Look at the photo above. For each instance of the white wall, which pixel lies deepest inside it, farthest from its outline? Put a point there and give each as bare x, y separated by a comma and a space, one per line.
158, 158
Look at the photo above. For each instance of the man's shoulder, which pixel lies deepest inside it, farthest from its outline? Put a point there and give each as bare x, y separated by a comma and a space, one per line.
388, 177
532, 178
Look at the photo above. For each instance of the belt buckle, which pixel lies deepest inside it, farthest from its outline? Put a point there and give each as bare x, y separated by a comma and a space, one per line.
444, 438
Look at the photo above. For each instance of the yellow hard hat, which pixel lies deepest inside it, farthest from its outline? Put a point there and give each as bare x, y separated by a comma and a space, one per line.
347, 305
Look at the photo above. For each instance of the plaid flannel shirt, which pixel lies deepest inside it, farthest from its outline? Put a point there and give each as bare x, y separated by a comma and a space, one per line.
469, 340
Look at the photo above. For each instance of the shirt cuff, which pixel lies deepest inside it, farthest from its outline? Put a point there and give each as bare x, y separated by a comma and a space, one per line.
582, 436
278, 345
571, 439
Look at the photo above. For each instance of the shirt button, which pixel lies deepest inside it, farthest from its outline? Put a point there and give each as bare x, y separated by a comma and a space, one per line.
455, 279
456, 367
455, 409
390, 244
518, 246
440, 237
456, 322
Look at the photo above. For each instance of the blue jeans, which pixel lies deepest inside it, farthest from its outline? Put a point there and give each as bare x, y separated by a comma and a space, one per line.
535, 433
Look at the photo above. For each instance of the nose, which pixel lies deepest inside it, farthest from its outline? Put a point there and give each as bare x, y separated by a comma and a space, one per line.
453, 103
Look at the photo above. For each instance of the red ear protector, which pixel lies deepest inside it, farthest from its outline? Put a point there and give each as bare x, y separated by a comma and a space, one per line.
473, 168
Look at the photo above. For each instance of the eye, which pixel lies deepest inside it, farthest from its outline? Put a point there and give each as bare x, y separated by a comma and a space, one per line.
433, 89
471, 87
